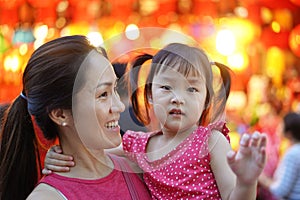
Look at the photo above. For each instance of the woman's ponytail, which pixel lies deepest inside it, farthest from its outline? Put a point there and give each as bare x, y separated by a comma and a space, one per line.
18, 152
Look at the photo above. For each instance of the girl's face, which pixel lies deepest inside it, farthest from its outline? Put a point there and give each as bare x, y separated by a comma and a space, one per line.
178, 101
97, 105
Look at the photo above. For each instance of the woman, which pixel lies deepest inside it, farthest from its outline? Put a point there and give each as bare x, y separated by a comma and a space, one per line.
69, 91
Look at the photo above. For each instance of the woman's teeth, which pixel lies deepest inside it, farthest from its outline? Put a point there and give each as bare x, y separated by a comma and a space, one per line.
111, 125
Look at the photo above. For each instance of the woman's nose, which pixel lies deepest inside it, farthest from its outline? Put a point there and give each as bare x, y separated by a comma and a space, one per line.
117, 105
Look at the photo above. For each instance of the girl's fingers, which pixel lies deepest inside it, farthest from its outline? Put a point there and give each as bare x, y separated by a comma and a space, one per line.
56, 149
58, 163
244, 149
46, 171
263, 141
245, 140
58, 156
231, 156
255, 139
50, 168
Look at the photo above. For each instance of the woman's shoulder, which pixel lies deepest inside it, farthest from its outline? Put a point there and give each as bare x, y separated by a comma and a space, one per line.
44, 192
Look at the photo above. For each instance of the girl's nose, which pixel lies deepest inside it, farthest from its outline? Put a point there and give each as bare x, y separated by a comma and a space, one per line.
176, 99
117, 106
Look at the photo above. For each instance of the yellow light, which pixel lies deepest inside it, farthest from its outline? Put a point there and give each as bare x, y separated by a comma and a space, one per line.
236, 100
41, 32
23, 49
238, 61
11, 63
275, 27
275, 65
95, 38
266, 15
132, 32
225, 42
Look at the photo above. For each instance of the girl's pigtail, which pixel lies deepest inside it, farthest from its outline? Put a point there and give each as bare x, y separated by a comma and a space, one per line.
223, 93
134, 88
18, 165
226, 77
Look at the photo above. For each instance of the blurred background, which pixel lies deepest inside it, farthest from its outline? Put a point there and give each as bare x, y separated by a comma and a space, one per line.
258, 39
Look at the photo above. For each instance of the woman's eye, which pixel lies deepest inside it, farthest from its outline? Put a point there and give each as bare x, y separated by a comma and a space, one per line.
102, 95
192, 89
165, 87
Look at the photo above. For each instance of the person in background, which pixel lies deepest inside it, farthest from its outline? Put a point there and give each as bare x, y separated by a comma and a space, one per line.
285, 183
190, 156
69, 91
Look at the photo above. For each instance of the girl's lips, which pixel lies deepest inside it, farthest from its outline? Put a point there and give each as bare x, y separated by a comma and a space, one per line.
176, 112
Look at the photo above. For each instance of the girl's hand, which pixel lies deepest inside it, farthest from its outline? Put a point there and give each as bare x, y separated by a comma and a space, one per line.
249, 161
55, 161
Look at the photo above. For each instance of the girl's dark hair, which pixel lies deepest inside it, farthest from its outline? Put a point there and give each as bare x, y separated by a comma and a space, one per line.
291, 122
185, 59
48, 82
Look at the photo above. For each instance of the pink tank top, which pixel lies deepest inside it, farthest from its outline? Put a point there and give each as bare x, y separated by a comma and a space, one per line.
111, 187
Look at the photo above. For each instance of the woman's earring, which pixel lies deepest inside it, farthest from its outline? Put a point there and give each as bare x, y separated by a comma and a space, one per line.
64, 123
150, 100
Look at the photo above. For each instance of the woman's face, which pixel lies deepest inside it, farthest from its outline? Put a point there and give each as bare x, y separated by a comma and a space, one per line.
97, 106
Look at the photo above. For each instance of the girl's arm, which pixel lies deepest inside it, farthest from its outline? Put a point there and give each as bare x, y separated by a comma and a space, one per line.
56, 161
237, 173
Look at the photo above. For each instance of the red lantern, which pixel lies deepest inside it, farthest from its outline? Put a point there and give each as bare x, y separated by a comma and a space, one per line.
296, 2
294, 40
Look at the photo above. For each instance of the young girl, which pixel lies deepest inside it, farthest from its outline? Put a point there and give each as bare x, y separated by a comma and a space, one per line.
69, 89
186, 158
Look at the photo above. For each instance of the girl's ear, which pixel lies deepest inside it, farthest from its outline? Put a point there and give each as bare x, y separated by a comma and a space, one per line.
60, 116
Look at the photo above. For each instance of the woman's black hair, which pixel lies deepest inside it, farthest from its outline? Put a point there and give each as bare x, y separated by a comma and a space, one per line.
48, 81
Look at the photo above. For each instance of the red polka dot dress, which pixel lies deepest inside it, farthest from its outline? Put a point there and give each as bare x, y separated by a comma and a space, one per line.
185, 172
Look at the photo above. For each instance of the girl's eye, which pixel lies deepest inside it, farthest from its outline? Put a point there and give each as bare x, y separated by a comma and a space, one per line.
192, 89
165, 87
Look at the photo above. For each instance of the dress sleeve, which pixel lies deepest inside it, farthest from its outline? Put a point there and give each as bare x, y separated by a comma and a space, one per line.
220, 126
134, 143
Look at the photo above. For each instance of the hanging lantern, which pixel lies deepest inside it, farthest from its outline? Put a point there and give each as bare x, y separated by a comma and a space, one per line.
296, 2
294, 40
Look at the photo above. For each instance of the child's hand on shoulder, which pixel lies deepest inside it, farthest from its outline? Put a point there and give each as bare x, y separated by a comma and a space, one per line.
55, 161
249, 161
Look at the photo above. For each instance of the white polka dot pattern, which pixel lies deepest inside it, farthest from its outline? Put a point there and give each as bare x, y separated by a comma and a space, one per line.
185, 172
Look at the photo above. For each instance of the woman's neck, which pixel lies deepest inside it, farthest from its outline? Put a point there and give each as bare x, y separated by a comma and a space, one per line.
89, 164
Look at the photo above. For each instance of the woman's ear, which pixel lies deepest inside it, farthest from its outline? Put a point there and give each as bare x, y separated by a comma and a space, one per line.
60, 116
150, 100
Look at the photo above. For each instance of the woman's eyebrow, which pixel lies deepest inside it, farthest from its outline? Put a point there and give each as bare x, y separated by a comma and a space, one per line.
107, 83
104, 84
